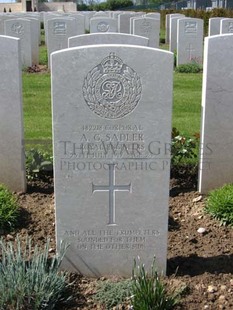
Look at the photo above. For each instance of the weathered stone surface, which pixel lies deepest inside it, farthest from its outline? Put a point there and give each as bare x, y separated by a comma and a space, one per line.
12, 163
216, 165
112, 128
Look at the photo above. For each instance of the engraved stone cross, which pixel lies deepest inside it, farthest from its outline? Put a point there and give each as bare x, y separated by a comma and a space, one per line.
190, 49
111, 188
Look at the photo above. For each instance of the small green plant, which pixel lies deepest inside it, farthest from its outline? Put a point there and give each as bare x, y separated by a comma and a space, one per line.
220, 204
37, 162
111, 294
27, 279
189, 68
148, 291
184, 149
9, 209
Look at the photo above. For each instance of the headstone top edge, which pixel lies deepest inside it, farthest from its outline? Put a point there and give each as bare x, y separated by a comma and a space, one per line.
107, 33
218, 36
145, 48
9, 37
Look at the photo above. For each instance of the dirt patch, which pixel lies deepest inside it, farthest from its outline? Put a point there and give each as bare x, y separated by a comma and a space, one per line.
37, 69
201, 263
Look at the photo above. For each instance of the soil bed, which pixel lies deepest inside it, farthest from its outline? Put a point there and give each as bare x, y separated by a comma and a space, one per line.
202, 263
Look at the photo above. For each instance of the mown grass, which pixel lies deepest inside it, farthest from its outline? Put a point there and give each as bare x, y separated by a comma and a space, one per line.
37, 103
187, 102
37, 106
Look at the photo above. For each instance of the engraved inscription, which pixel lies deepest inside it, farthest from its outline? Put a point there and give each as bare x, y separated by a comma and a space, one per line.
112, 89
190, 49
111, 188
146, 27
18, 28
230, 27
103, 27
59, 28
190, 27
111, 239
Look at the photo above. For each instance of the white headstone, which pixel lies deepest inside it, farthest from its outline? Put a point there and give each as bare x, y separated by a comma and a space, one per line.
173, 33
21, 28
190, 41
59, 30
88, 16
47, 16
131, 21
12, 162
214, 26
101, 14
2, 19
107, 38
168, 18
226, 25
153, 15
216, 164
124, 22
103, 24
80, 23
147, 27
112, 128
35, 34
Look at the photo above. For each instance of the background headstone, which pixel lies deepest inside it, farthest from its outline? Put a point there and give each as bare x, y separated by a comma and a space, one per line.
35, 39
103, 24
214, 26
21, 28
173, 33
149, 28
59, 30
112, 129
80, 23
226, 25
124, 22
168, 18
189, 41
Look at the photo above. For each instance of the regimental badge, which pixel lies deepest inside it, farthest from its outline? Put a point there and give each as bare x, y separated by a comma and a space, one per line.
18, 28
103, 27
112, 89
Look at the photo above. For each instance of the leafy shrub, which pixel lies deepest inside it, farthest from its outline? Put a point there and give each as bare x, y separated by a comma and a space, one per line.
148, 291
38, 162
189, 68
220, 204
113, 293
9, 209
27, 279
184, 149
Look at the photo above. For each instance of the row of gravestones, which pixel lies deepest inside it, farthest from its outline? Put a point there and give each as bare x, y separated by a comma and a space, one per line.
111, 141
185, 35
27, 29
59, 27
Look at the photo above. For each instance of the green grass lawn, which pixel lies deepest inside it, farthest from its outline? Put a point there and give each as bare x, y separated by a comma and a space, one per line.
187, 102
37, 106
37, 103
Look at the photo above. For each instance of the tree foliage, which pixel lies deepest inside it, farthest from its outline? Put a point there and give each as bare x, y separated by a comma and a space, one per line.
102, 6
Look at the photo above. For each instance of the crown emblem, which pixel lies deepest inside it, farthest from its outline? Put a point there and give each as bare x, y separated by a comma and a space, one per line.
112, 64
